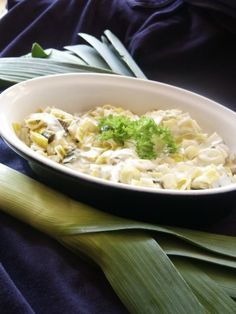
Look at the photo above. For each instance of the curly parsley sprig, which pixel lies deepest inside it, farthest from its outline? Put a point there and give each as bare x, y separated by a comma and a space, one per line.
150, 139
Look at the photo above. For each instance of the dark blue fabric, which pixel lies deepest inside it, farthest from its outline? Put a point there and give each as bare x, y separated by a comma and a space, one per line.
191, 44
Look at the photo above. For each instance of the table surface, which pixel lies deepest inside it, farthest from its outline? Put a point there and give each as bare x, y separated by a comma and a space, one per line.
185, 43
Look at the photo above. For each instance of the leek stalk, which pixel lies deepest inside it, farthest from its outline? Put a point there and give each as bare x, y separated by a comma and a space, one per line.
139, 269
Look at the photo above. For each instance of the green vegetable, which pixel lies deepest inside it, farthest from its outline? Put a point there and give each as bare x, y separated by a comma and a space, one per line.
133, 255
99, 57
123, 53
38, 52
15, 70
116, 64
117, 128
150, 138
212, 296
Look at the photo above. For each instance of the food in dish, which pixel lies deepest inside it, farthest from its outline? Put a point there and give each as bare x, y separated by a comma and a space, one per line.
162, 149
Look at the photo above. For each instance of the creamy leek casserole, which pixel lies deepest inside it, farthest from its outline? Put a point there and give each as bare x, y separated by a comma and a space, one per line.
162, 149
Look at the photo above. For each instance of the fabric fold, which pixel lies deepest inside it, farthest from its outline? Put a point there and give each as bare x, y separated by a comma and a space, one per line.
11, 299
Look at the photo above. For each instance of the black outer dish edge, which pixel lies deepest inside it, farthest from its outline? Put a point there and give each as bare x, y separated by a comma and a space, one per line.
180, 210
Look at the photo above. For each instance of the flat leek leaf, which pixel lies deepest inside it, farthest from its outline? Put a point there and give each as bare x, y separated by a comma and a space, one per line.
137, 269
221, 244
14, 70
99, 221
109, 57
176, 247
209, 293
54, 54
64, 56
89, 55
100, 58
224, 276
38, 52
71, 219
124, 54
105, 41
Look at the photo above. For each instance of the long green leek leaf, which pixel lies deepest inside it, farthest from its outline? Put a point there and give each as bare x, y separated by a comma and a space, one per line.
54, 54
70, 219
225, 245
14, 70
211, 295
64, 56
124, 54
176, 247
109, 57
152, 286
136, 267
100, 57
89, 55
223, 276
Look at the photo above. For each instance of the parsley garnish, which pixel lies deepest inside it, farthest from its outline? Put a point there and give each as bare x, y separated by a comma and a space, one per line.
150, 139
115, 127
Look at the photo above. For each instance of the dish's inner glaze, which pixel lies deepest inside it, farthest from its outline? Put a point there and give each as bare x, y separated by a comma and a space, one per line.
164, 149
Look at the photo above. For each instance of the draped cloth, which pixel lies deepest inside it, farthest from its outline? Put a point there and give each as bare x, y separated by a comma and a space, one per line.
191, 44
